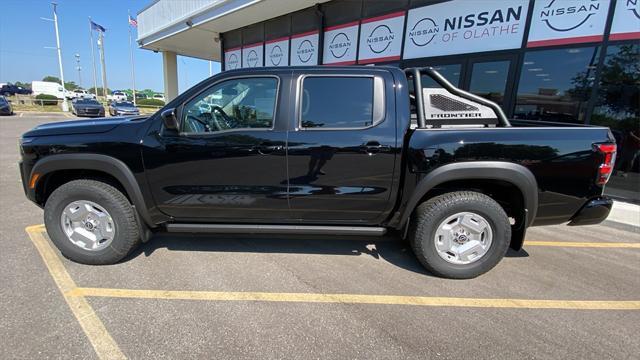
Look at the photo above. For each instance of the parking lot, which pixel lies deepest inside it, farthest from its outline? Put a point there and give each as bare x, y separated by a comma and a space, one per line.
572, 293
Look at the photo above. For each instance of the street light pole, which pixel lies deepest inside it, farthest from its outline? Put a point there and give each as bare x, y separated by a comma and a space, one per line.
79, 70
65, 106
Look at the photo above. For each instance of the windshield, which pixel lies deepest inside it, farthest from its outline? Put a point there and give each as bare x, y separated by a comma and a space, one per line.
3, 100
87, 102
124, 104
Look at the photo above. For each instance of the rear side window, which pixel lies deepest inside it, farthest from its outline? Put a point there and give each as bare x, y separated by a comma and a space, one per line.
337, 102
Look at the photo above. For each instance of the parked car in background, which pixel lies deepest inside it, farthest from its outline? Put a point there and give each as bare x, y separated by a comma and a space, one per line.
87, 107
117, 96
123, 108
82, 94
158, 97
10, 89
140, 96
48, 88
5, 106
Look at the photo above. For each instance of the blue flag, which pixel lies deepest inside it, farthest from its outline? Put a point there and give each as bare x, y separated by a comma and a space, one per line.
97, 27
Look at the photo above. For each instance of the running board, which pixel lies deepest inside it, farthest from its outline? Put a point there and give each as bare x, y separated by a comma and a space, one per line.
275, 229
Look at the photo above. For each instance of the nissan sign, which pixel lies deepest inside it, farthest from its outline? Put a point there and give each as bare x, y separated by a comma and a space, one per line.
460, 26
559, 22
340, 44
304, 49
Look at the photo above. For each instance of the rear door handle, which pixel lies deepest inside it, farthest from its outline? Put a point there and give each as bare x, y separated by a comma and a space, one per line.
374, 147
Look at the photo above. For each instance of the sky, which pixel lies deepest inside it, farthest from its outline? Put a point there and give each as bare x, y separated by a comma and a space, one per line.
24, 36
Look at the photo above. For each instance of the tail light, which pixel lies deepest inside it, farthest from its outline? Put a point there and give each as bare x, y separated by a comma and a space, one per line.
606, 167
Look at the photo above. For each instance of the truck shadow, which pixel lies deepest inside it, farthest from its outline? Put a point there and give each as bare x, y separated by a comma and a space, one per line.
390, 248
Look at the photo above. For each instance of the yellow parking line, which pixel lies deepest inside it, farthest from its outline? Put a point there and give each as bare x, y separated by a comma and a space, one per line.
355, 299
583, 244
102, 342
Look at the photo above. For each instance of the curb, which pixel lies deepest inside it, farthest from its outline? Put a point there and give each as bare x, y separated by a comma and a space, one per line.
625, 213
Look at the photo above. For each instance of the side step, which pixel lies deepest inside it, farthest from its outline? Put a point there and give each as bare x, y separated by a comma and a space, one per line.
275, 229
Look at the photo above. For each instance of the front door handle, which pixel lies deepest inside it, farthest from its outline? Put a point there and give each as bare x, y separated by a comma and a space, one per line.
266, 148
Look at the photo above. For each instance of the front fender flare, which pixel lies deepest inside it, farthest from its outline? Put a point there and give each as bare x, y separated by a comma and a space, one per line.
98, 162
515, 174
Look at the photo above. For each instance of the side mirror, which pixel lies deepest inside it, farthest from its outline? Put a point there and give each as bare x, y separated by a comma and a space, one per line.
169, 119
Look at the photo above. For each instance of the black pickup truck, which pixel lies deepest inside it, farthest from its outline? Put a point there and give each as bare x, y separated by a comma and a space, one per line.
318, 150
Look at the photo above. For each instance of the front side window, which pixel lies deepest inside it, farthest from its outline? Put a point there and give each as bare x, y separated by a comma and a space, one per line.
247, 103
555, 85
337, 102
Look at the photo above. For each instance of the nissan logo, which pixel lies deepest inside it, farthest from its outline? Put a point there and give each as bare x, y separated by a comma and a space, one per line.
380, 39
574, 15
305, 51
634, 7
275, 56
252, 58
423, 32
233, 61
339, 45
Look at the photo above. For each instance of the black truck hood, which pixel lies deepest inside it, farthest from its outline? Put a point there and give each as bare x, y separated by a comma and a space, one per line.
92, 126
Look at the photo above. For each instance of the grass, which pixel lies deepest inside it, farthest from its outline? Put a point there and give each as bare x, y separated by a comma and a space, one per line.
29, 107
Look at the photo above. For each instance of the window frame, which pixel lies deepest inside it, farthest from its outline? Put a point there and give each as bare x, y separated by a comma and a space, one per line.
200, 134
378, 111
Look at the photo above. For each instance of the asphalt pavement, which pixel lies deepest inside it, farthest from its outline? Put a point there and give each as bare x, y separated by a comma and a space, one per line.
572, 293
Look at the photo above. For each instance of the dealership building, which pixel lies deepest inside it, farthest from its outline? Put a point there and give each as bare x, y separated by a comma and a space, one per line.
570, 61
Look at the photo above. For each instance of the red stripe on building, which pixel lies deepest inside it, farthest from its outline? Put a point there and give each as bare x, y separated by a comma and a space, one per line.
625, 36
352, 62
277, 40
377, 60
304, 34
336, 27
233, 49
252, 45
573, 40
384, 17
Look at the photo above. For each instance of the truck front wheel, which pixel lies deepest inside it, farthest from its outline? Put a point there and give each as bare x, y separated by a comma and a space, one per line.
91, 222
460, 235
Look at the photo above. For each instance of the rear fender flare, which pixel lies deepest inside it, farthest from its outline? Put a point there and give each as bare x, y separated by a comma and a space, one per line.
98, 162
515, 174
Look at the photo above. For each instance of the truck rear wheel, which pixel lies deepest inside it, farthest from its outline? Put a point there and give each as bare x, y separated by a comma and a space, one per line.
91, 222
460, 235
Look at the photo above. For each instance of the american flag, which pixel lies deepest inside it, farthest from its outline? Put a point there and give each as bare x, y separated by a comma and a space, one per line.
133, 22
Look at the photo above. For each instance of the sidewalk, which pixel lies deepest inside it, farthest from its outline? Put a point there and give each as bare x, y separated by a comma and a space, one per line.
625, 213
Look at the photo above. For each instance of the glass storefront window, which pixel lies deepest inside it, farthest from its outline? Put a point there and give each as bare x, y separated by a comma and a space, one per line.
555, 85
489, 80
618, 107
450, 72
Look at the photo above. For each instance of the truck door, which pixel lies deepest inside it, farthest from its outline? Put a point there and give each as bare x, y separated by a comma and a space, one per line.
342, 146
228, 161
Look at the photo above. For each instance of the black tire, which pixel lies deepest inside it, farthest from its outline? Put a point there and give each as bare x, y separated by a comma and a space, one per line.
113, 201
430, 214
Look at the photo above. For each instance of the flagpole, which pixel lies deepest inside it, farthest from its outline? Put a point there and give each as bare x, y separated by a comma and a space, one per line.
102, 64
133, 70
65, 106
93, 60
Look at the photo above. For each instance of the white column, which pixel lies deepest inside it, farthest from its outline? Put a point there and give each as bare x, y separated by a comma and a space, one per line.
170, 73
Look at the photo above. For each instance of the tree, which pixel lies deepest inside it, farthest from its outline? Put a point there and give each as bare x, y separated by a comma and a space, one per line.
24, 85
50, 78
91, 91
70, 85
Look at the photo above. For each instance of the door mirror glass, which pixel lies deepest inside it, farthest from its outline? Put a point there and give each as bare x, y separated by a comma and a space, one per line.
170, 119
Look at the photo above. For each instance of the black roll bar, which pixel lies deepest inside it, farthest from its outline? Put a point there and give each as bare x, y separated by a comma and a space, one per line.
417, 73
